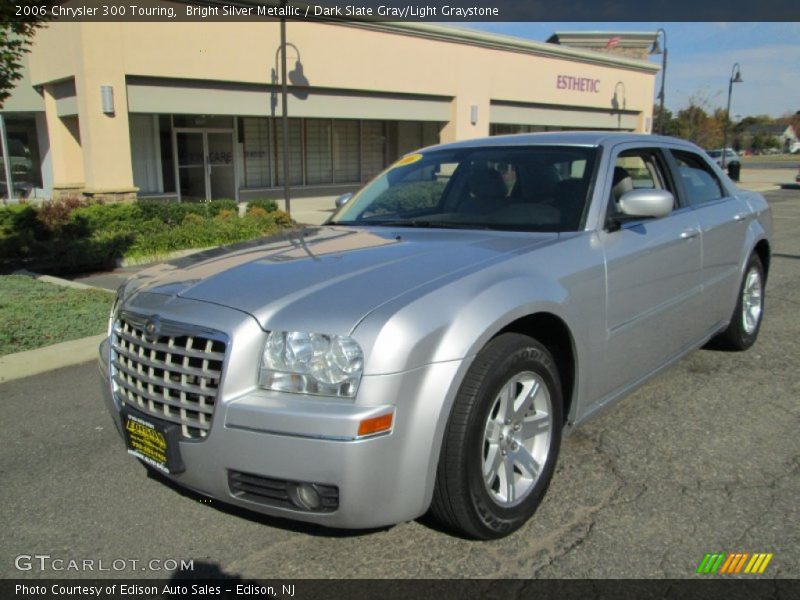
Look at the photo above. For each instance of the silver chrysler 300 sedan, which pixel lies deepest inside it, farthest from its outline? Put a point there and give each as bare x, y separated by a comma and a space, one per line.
426, 348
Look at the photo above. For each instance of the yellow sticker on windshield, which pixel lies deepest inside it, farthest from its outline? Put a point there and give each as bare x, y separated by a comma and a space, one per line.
407, 160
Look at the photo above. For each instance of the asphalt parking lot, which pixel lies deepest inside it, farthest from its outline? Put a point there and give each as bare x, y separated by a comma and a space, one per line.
704, 458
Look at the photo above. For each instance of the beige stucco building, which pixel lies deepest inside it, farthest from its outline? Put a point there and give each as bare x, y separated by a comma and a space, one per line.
192, 110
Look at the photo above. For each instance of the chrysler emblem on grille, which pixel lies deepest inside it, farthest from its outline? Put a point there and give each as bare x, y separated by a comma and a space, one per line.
152, 328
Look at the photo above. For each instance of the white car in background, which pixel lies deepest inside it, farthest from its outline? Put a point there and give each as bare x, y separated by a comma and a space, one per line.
730, 156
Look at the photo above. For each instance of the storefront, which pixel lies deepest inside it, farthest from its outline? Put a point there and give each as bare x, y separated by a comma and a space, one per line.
211, 157
192, 110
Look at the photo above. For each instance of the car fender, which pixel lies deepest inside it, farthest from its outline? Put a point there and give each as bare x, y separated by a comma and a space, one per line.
759, 226
446, 337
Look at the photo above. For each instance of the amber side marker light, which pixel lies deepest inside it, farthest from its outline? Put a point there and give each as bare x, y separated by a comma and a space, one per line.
375, 425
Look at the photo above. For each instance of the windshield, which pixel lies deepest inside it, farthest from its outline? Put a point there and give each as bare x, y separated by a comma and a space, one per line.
715, 153
535, 188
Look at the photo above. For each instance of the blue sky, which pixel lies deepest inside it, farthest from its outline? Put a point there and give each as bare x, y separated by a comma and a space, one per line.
701, 56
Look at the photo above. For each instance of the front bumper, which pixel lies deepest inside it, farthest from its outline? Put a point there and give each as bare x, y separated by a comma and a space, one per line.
381, 480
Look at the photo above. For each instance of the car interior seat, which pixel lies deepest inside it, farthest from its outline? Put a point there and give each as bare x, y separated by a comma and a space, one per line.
621, 183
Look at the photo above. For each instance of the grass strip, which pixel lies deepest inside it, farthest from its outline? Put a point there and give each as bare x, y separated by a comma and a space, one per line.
34, 314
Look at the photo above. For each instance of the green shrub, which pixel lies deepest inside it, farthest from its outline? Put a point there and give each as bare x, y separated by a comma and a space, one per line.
282, 219
265, 205
108, 217
72, 236
19, 230
225, 214
192, 219
217, 206
256, 212
56, 214
173, 213
16, 217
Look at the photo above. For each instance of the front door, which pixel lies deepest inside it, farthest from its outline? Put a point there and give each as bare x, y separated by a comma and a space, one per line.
654, 297
205, 164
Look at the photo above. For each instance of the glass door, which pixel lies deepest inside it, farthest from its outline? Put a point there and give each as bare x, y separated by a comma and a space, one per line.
191, 153
206, 166
222, 175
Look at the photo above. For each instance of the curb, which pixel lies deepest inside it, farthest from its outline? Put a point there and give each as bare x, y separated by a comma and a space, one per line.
151, 259
77, 285
42, 360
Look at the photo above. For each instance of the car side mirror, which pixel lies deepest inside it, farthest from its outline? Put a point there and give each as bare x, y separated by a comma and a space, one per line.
343, 199
646, 203
641, 204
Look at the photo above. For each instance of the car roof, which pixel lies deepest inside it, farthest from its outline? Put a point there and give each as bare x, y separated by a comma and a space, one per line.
560, 138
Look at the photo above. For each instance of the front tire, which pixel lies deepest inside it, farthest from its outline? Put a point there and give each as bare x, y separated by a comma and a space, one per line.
502, 440
742, 331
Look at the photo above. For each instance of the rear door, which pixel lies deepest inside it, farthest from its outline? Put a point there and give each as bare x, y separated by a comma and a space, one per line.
653, 274
723, 221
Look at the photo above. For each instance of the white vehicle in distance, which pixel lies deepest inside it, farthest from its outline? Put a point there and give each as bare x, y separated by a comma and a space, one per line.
730, 157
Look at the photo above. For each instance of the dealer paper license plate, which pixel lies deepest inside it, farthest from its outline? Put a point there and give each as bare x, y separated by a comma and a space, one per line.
153, 441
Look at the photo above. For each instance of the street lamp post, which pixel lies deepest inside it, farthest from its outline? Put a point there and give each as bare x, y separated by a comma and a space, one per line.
285, 117
736, 77
656, 49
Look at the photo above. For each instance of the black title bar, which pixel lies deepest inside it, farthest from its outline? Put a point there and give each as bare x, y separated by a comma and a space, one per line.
424, 11
716, 588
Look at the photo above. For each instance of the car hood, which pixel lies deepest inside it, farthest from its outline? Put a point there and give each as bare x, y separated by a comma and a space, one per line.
328, 279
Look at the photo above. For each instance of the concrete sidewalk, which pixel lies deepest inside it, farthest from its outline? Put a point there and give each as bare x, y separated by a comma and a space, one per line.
765, 180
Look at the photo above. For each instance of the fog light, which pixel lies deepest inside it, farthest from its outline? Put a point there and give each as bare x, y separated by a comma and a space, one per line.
305, 496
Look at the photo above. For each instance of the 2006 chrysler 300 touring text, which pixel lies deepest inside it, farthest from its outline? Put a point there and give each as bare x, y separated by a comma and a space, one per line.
426, 348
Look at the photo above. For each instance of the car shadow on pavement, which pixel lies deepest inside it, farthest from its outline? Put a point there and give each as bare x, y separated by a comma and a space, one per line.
255, 517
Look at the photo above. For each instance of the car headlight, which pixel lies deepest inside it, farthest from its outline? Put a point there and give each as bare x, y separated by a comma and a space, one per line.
311, 363
113, 314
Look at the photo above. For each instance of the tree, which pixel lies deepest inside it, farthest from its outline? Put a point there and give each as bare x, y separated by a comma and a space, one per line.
667, 117
15, 39
694, 123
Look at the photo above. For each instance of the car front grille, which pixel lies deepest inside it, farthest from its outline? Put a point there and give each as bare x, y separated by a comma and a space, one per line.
173, 375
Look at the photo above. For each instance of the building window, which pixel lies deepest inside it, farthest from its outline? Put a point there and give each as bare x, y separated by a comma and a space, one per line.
318, 151
346, 165
295, 152
257, 163
23, 150
373, 149
146, 153
322, 151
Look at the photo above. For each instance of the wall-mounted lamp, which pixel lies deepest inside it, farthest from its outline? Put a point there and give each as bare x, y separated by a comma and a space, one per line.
473, 114
107, 99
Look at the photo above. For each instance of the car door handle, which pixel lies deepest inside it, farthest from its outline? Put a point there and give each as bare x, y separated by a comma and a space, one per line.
688, 234
740, 216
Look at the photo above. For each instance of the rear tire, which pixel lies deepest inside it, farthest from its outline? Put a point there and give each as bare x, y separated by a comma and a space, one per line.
742, 331
502, 440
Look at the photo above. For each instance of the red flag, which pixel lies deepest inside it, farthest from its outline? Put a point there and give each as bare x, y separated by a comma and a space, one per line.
613, 42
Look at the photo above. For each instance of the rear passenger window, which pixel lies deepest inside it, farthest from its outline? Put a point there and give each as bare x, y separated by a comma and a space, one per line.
700, 183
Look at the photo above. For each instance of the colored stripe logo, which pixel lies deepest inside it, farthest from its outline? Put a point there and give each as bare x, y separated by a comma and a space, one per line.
723, 563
